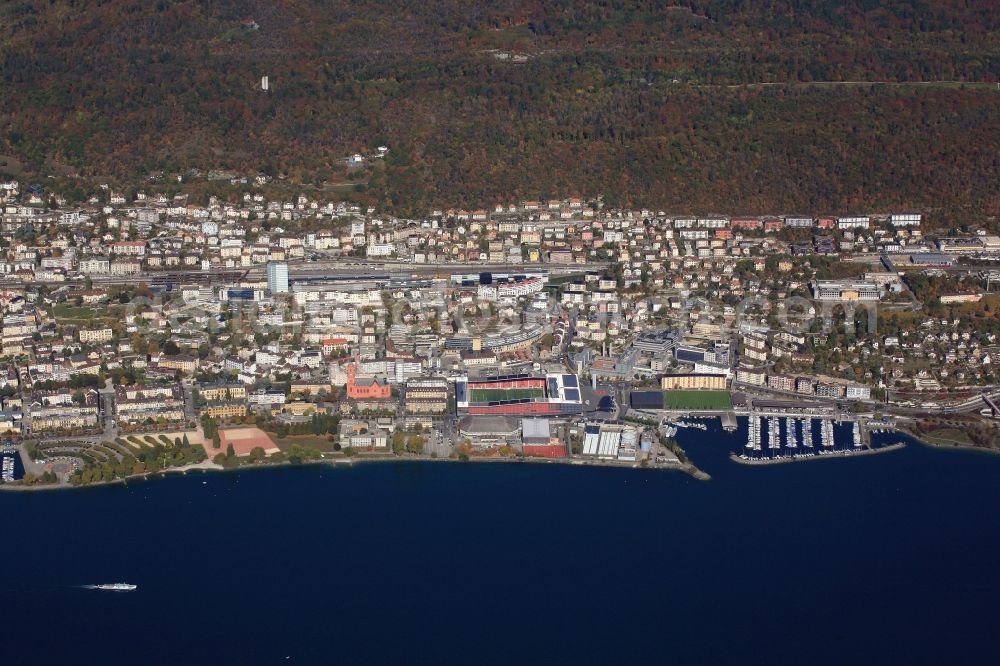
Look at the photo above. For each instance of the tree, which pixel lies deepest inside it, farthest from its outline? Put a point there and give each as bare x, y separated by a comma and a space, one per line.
217, 440
415, 444
398, 442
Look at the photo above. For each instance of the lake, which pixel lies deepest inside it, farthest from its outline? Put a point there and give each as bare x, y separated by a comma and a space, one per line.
873, 560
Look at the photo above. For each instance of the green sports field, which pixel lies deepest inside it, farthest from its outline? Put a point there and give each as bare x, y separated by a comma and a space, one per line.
697, 400
495, 395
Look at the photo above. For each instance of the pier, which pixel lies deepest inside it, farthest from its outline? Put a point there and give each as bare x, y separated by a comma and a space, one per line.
823, 455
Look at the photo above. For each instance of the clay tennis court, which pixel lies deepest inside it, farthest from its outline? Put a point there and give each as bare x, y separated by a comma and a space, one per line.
244, 440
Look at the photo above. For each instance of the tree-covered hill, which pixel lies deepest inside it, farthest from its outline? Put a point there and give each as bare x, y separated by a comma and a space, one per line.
726, 105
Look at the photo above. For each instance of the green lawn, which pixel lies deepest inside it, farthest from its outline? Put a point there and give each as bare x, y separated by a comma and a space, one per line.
948, 436
84, 312
697, 400
318, 442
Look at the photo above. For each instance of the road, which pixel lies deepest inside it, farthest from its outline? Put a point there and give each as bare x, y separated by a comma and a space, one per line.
30, 466
973, 403
189, 411
107, 410
942, 83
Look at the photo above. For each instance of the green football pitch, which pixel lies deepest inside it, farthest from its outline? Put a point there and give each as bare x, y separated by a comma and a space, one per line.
697, 400
495, 395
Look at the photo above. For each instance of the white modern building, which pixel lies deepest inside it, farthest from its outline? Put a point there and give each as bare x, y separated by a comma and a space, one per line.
905, 219
860, 222
846, 290
277, 277
858, 392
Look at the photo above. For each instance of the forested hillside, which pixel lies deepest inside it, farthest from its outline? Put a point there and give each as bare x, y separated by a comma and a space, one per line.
725, 105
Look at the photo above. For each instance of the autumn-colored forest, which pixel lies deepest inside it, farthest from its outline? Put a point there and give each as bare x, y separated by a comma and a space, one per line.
717, 105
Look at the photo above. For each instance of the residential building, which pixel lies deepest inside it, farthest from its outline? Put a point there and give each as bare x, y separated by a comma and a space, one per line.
693, 381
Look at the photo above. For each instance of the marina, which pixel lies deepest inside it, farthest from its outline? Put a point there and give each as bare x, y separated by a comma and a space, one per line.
795, 440
773, 434
8, 468
753, 434
827, 440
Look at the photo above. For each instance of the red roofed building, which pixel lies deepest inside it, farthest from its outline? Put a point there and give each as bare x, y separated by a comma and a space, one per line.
331, 345
366, 388
746, 223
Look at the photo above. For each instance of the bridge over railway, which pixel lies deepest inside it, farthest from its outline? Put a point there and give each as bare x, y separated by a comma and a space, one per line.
992, 405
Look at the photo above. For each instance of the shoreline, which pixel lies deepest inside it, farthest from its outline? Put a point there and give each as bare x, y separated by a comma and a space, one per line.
941, 446
204, 466
837, 455
209, 466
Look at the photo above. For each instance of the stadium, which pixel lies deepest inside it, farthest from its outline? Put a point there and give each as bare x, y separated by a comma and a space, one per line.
519, 395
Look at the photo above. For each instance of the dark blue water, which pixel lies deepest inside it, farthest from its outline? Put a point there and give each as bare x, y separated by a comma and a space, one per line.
875, 560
